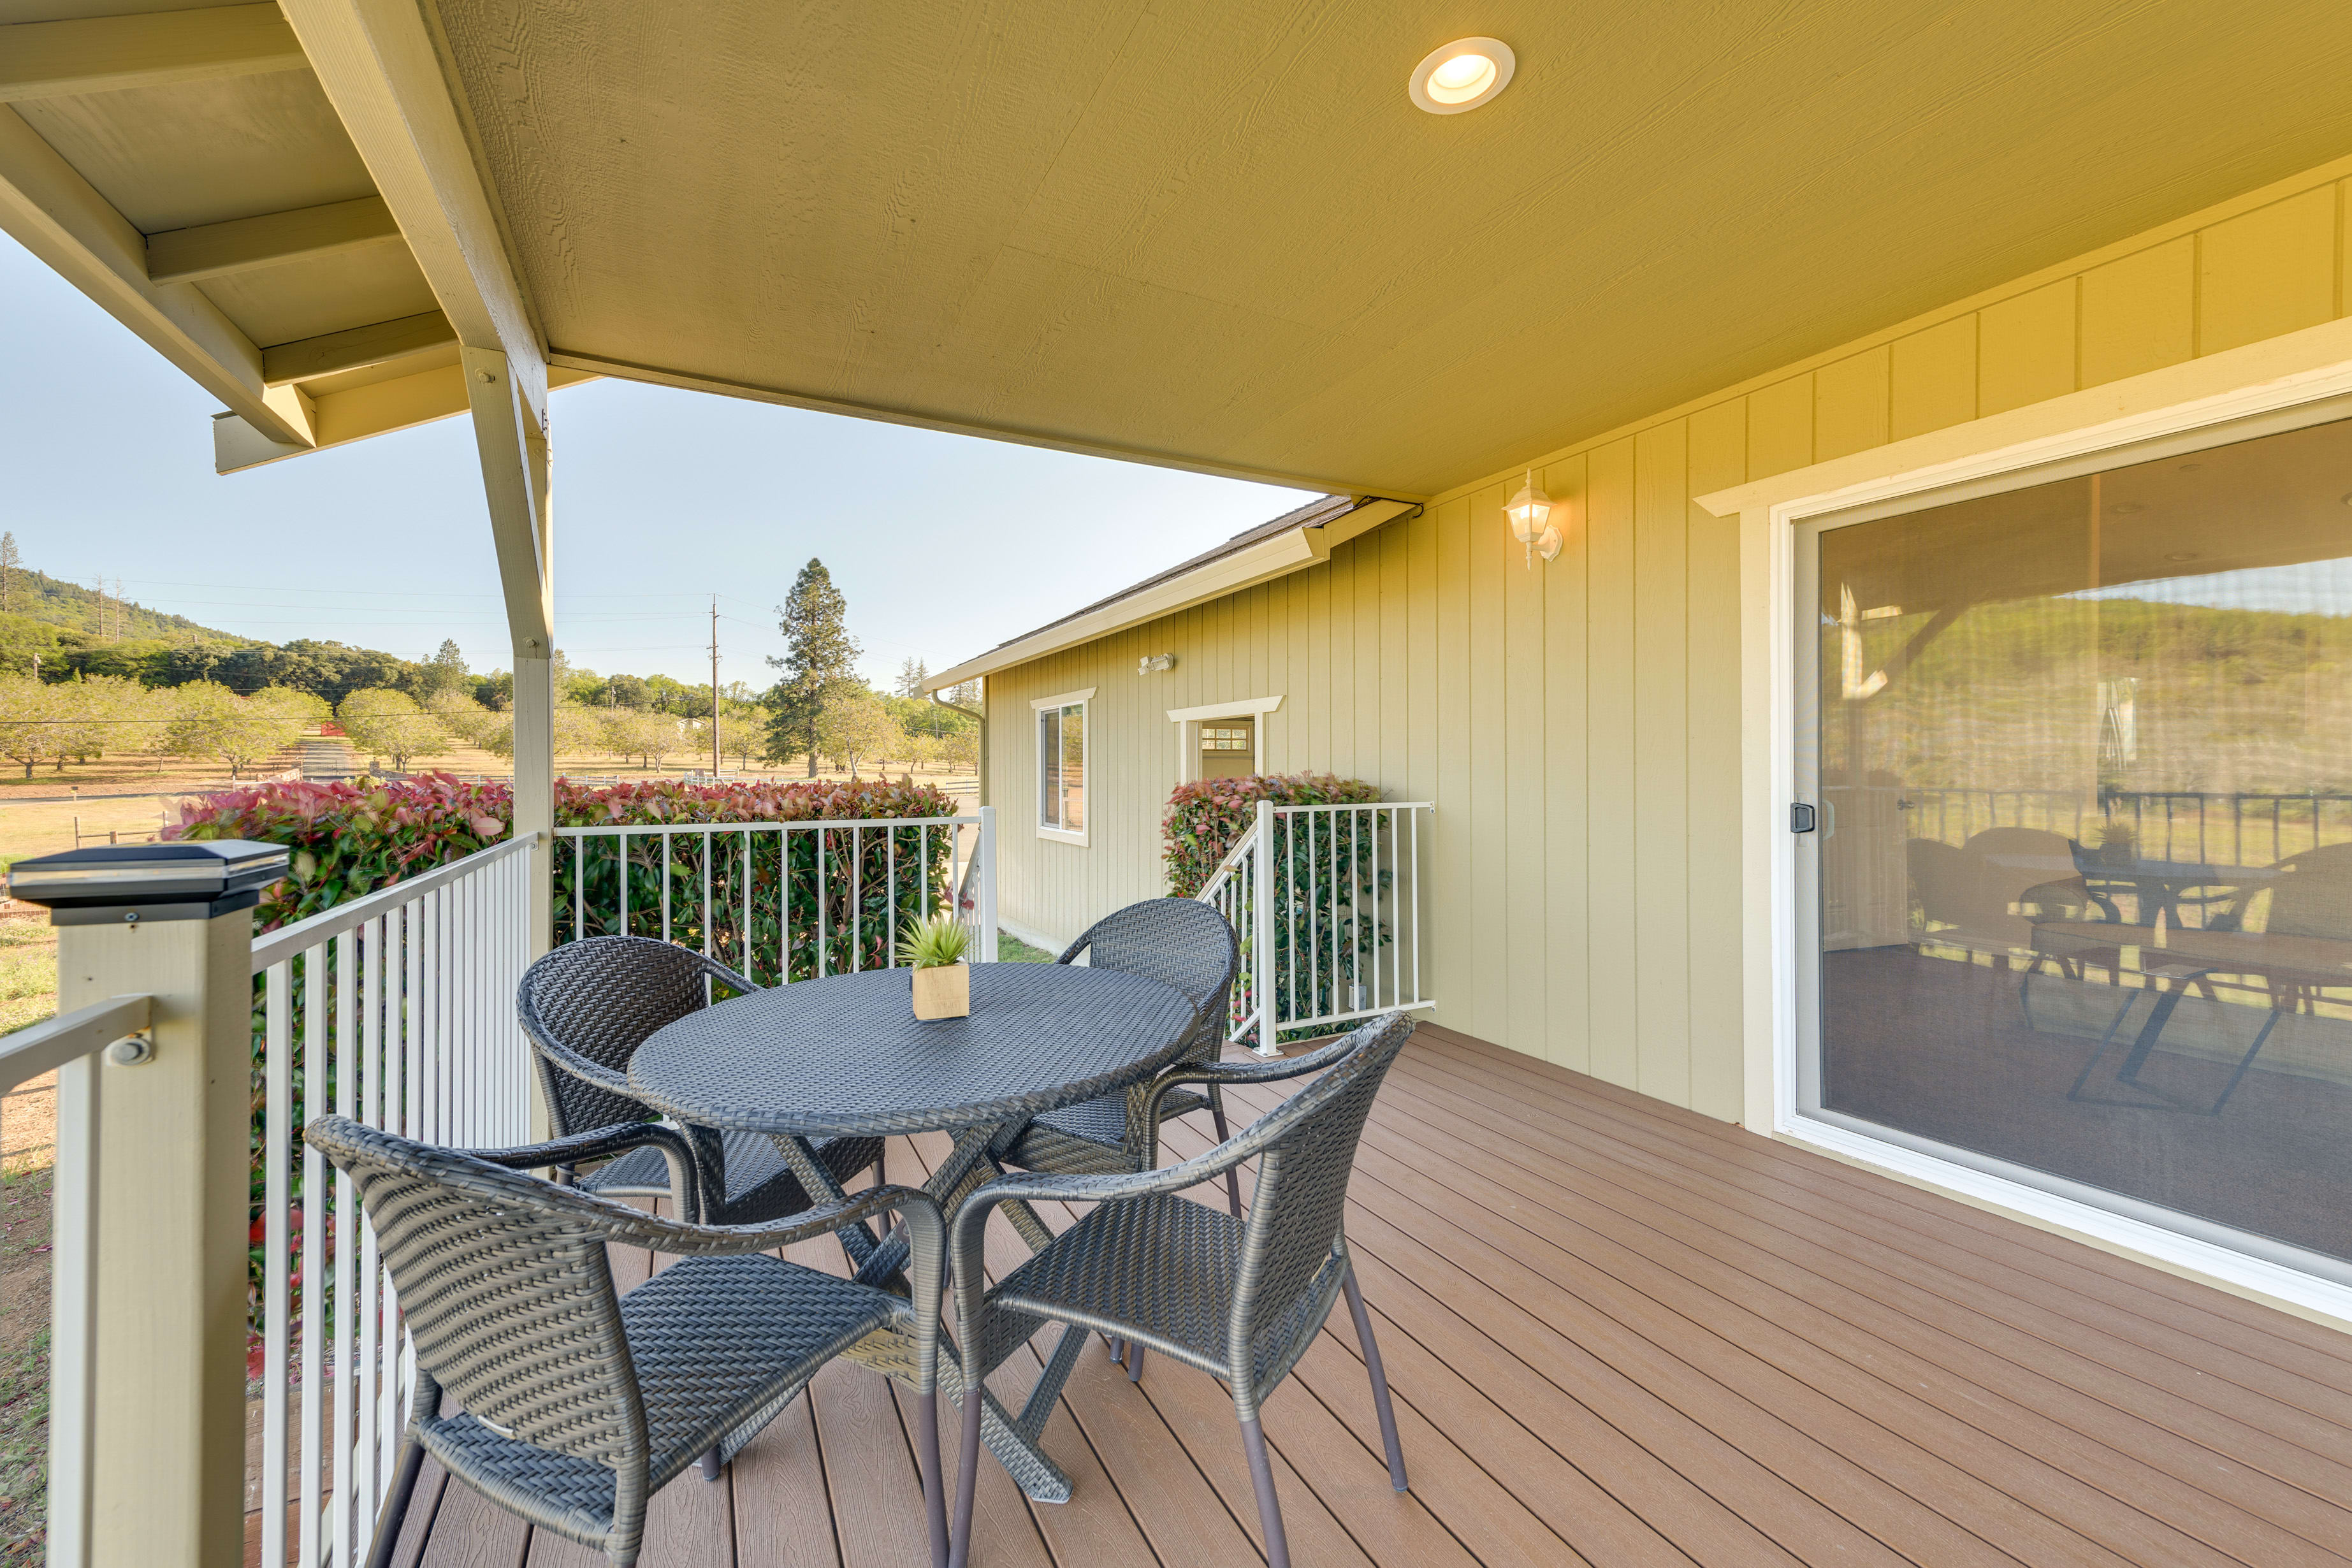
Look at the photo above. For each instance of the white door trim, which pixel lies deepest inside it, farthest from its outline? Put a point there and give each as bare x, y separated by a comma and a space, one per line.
2298, 379
1188, 721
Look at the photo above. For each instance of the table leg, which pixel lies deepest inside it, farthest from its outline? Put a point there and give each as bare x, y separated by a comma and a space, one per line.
1013, 1439
2158, 1017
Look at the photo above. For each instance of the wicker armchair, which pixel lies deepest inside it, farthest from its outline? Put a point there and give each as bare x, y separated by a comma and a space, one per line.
1180, 943
1240, 1300
587, 1006
580, 1403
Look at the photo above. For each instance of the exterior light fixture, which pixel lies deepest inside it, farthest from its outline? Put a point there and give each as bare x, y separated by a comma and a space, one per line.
1462, 75
1530, 512
1154, 664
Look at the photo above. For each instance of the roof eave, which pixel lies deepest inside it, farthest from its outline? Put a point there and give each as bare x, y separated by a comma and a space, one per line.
1276, 556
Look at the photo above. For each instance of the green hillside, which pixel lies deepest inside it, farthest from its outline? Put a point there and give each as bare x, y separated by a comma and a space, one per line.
38, 600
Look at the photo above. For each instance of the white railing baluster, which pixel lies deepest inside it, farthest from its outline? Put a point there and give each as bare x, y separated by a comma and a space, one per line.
347, 1010
1328, 967
316, 1046
665, 886
277, 1077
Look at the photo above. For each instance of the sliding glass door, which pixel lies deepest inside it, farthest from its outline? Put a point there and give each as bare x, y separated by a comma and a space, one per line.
2078, 905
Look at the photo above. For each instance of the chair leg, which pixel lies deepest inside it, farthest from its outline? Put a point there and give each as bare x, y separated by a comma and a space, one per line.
1269, 1507
1233, 1178
394, 1512
1380, 1378
711, 1465
967, 1479
1134, 1362
927, 1459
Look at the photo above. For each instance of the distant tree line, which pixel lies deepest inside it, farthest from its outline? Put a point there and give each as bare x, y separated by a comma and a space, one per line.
85, 675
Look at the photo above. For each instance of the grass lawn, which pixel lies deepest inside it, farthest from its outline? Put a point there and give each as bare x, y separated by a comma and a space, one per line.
1012, 949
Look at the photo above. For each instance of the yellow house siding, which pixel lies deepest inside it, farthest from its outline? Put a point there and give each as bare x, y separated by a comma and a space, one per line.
1933, 380
1577, 725
2139, 314
2270, 272
2026, 348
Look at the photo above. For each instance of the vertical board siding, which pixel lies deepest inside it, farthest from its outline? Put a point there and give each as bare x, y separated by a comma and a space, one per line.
1578, 724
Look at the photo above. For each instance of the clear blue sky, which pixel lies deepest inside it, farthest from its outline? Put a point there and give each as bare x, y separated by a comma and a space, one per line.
944, 545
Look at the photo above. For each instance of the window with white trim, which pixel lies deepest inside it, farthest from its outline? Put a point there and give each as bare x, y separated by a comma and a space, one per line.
1062, 770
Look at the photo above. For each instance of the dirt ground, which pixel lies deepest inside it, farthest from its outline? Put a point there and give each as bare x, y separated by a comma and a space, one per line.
24, 1366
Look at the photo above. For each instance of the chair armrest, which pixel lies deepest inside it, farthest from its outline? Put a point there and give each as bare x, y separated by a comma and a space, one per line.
685, 1174
972, 1219
740, 984
1144, 1115
562, 1055
926, 1226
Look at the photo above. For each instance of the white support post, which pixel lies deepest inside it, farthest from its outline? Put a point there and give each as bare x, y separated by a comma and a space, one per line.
149, 1312
987, 852
1262, 961
514, 480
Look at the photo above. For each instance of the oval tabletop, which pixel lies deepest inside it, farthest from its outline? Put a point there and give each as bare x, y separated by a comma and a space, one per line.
844, 1054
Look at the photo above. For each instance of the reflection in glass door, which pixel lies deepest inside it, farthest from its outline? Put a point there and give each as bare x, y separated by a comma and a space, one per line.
2082, 886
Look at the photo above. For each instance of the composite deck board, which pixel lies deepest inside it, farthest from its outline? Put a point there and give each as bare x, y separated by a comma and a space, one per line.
2231, 1325
2189, 1377
1921, 1343
1618, 1332
1913, 1355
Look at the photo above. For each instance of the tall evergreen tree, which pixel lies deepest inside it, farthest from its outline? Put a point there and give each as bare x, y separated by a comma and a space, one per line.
9, 562
819, 657
911, 676
445, 670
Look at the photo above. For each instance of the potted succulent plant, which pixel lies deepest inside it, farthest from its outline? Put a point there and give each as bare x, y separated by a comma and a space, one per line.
934, 950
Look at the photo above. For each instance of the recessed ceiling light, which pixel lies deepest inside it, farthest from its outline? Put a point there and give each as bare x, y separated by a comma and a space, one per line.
1463, 75
2184, 556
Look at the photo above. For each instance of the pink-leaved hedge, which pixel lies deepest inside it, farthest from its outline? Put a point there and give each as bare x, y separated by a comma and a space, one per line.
352, 837
1205, 820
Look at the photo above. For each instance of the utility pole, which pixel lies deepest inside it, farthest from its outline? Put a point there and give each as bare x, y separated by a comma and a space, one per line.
714, 689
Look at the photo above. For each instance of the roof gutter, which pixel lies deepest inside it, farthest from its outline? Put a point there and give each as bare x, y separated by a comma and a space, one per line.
1308, 545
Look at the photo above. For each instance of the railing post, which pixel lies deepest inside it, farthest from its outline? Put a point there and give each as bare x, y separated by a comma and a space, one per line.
149, 1318
987, 853
1262, 960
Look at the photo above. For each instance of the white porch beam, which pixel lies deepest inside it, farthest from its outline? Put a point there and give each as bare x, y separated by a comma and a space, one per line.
107, 54
211, 249
55, 214
356, 348
358, 412
375, 60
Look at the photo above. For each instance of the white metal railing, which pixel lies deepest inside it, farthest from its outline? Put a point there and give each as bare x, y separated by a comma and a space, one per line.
780, 900
1326, 901
397, 1010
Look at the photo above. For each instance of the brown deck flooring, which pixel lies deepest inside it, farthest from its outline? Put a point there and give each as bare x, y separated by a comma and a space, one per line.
1618, 1334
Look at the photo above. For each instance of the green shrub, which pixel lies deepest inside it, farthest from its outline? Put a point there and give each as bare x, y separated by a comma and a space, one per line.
808, 903
1204, 820
1324, 892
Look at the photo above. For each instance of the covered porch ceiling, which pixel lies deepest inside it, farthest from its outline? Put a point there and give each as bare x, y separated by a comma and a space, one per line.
1213, 233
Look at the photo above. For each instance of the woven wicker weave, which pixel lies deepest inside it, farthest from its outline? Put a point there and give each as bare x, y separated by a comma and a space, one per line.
587, 1006
1241, 1300
579, 1403
1177, 941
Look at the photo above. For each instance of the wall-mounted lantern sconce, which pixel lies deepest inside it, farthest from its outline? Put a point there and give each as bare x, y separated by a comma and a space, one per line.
1153, 663
1530, 512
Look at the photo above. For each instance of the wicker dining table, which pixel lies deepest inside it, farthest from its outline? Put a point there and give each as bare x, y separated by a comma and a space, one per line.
844, 1055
